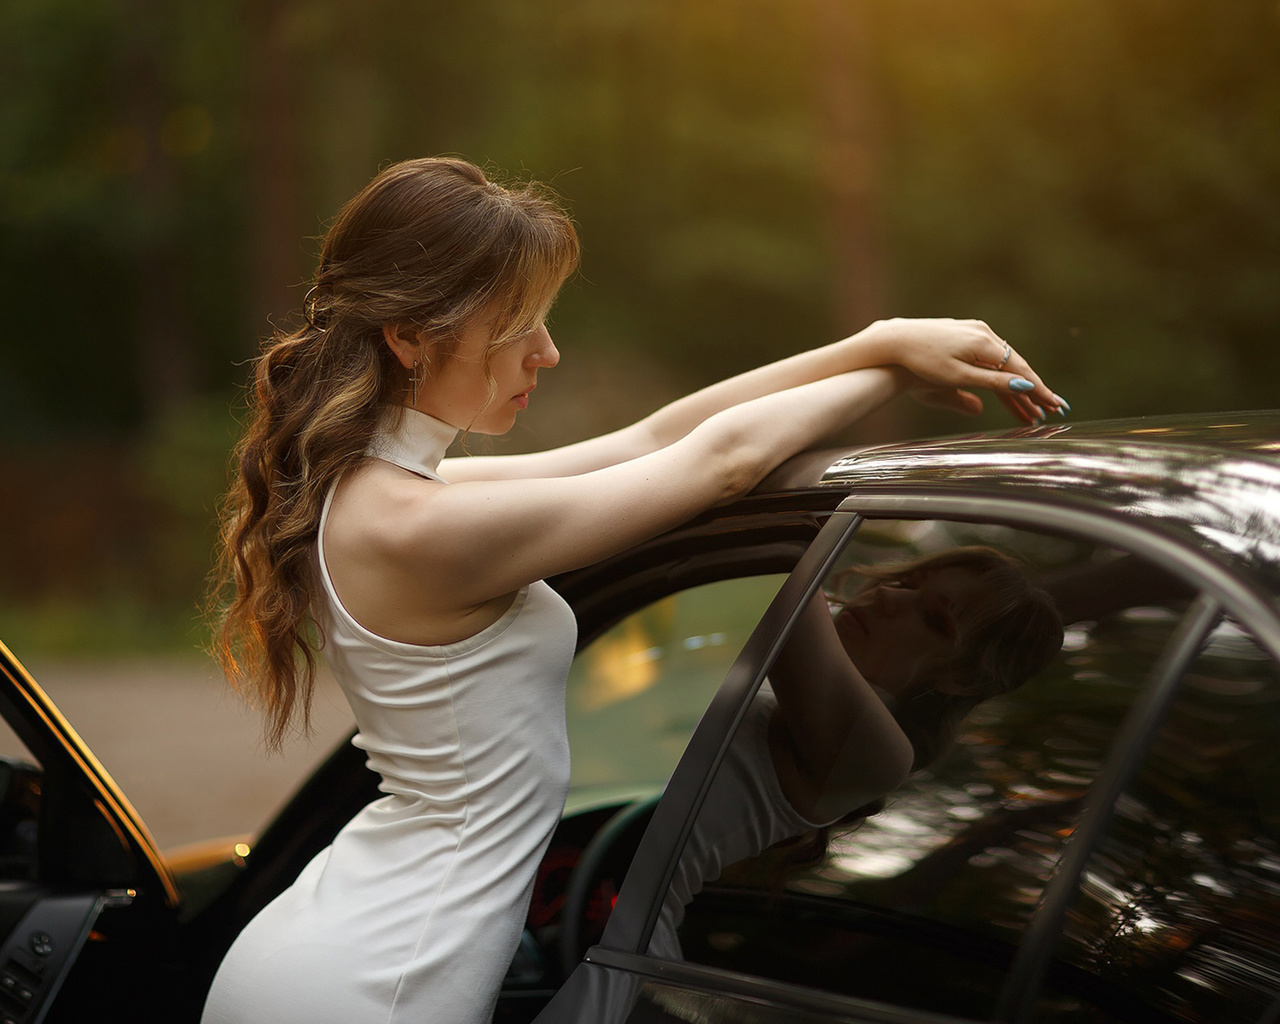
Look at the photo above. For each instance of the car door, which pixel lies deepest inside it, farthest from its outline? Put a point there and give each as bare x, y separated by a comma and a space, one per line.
1050, 866
84, 895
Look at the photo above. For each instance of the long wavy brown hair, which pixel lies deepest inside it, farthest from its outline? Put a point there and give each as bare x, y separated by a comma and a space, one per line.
430, 246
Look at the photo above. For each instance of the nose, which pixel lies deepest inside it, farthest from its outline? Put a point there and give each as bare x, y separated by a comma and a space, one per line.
545, 352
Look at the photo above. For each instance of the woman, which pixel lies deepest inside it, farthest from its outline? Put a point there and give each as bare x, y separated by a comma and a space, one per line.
427, 317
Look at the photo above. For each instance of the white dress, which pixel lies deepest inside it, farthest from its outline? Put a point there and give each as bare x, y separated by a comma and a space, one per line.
415, 911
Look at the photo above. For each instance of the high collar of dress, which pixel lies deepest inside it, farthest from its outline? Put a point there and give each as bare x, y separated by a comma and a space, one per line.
412, 439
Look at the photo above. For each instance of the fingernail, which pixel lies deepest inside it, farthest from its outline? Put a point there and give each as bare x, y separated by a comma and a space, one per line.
1064, 406
1021, 384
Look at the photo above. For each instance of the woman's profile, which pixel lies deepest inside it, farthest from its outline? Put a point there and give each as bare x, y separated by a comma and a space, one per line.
342, 540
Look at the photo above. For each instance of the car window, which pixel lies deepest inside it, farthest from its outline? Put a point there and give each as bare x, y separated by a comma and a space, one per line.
637, 691
919, 897
1180, 904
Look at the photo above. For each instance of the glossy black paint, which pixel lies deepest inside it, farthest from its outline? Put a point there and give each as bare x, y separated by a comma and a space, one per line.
1212, 483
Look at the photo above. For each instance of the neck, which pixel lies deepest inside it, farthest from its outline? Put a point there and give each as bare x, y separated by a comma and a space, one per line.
412, 439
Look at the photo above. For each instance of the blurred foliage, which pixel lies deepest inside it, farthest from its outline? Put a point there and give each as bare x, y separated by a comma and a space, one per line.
100, 627
1101, 182
1098, 182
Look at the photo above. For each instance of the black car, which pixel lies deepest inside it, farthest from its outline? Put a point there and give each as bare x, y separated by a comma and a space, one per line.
1102, 844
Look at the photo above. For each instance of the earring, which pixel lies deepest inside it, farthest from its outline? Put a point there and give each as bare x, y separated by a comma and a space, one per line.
413, 381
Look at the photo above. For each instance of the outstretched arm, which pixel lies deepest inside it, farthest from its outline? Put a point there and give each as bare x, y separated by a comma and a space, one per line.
834, 744
405, 552
949, 358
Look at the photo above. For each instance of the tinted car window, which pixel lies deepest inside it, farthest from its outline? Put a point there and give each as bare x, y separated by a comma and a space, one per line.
20, 789
1180, 905
921, 898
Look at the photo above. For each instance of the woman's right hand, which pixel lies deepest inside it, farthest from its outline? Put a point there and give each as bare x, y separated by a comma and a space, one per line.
953, 358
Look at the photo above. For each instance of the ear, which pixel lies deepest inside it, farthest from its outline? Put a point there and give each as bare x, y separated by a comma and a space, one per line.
404, 342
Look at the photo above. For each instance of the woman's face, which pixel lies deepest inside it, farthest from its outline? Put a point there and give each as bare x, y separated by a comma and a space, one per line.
467, 394
897, 632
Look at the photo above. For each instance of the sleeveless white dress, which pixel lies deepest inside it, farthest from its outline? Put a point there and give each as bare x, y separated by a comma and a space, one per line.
415, 911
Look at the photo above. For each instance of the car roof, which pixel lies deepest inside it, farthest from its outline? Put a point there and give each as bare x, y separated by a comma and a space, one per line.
1210, 481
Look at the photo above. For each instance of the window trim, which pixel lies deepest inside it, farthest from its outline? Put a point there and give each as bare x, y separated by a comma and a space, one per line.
67, 760
758, 989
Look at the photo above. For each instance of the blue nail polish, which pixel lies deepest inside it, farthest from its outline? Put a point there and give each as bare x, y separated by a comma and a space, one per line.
1064, 406
1021, 384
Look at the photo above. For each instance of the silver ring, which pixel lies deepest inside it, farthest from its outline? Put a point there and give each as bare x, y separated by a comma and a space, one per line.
1008, 351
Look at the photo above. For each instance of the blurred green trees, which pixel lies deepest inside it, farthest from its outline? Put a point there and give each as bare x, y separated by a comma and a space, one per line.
1100, 182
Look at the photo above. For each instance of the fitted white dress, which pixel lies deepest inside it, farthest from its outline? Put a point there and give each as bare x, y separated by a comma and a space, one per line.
415, 911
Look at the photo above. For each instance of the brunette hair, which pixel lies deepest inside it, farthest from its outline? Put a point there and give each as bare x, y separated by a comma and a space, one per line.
1002, 639
431, 246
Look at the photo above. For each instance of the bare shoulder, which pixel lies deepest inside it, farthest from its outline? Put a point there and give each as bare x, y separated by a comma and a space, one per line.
373, 509
381, 567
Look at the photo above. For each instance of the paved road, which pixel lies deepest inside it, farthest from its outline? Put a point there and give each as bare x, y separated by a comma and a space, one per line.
182, 746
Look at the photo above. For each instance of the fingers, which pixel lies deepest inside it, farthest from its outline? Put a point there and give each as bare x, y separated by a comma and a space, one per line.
969, 354
1026, 397
995, 351
1017, 384
1022, 408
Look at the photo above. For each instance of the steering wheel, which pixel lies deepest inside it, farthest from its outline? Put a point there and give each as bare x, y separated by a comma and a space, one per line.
605, 859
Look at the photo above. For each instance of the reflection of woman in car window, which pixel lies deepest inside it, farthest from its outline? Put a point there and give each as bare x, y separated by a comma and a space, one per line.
927, 641
856, 701
943, 634
427, 317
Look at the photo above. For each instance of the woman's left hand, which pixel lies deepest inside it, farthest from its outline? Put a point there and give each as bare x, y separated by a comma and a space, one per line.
954, 358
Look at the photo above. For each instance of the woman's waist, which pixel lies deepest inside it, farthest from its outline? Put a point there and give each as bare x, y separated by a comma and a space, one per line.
489, 826
453, 783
